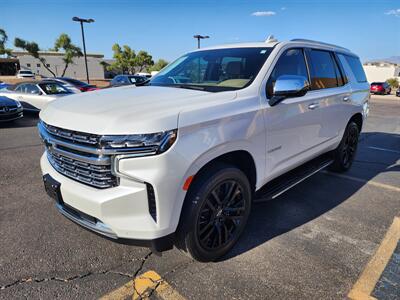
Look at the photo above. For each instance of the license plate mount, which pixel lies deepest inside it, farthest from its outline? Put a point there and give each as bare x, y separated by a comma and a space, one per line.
52, 188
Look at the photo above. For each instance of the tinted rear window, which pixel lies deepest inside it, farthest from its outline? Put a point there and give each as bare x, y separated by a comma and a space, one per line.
356, 68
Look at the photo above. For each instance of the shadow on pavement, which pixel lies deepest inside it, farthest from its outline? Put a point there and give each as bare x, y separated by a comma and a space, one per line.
29, 119
302, 204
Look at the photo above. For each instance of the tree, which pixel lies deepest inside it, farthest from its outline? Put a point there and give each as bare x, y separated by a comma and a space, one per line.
33, 49
160, 64
124, 59
62, 42
393, 82
70, 50
143, 61
3, 40
128, 62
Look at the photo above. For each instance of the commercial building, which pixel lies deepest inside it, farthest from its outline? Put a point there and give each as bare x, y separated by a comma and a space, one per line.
381, 70
54, 61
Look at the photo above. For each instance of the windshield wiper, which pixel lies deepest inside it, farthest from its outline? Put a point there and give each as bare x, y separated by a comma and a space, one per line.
189, 86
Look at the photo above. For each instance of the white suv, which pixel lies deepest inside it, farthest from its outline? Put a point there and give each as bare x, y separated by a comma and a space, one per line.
181, 159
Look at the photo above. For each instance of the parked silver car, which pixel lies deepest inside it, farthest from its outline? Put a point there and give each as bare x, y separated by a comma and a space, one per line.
35, 95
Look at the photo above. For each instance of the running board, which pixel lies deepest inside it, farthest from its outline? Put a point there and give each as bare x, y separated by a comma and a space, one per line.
285, 182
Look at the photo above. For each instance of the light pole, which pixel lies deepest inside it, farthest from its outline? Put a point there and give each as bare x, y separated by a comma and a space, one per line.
200, 37
80, 20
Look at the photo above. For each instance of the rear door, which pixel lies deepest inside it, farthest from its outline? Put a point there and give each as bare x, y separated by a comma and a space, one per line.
332, 92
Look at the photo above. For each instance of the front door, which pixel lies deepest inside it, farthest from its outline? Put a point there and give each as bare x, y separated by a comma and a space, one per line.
292, 126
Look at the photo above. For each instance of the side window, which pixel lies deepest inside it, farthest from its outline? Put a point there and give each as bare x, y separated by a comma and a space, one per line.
20, 88
32, 89
322, 70
340, 78
291, 62
356, 67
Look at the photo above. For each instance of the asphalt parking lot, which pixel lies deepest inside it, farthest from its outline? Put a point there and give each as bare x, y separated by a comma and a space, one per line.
313, 242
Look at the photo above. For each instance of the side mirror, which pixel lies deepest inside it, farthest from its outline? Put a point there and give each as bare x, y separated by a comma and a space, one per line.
289, 86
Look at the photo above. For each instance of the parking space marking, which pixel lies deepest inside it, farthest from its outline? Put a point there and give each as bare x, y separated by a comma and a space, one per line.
370, 182
142, 286
383, 149
365, 284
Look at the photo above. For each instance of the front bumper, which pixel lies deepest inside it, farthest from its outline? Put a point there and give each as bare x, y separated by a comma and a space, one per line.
6, 117
123, 212
158, 245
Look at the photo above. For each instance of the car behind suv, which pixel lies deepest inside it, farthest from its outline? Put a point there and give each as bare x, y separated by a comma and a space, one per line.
382, 88
181, 160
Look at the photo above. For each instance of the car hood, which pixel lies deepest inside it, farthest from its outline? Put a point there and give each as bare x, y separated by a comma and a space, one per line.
128, 109
4, 101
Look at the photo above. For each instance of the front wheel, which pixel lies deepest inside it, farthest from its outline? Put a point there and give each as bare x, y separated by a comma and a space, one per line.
215, 212
346, 151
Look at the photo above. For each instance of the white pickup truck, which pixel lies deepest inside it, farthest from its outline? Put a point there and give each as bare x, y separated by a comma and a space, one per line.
180, 160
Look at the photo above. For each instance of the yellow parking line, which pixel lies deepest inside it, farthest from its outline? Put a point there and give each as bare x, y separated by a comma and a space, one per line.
142, 286
370, 182
364, 286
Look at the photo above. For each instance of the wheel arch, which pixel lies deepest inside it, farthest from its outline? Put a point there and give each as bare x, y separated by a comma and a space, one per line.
241, 159
358, 119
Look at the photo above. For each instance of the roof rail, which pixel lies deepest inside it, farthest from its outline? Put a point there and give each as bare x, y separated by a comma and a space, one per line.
317, 42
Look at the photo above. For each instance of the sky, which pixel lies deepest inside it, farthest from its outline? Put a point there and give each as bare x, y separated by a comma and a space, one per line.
370, 28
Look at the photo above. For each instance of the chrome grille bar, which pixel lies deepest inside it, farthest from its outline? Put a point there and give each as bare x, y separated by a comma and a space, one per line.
68, 155
89, 175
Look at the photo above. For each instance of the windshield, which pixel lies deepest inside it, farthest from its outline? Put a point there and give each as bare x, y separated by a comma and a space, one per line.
137, 79
25, 72
214, 70
52, 88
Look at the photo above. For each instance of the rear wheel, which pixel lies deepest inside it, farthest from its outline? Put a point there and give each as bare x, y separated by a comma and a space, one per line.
215, 212
346, 151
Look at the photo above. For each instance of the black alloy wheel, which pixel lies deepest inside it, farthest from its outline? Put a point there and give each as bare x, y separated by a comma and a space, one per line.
215, 212
345, 153
221, 215
349, 147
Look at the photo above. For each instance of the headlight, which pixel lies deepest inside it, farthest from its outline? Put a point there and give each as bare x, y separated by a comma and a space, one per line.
19, 104
152, 143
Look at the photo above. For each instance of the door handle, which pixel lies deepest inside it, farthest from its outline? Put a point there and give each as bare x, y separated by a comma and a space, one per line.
313, 105
346, 99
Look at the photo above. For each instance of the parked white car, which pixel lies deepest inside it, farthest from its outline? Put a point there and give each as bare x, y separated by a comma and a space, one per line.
25, 74
35, 96
180, 161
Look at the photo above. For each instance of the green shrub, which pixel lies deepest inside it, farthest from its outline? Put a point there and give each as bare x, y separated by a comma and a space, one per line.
393, 82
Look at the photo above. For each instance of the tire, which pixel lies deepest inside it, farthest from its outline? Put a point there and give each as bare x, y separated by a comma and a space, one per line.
344, 154
215, 212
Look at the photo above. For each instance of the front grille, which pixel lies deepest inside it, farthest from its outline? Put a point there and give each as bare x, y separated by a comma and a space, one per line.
77, 155
8, 109
99, 176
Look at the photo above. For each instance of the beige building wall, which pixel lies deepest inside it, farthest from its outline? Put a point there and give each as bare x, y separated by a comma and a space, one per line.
56, 64
381, 72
